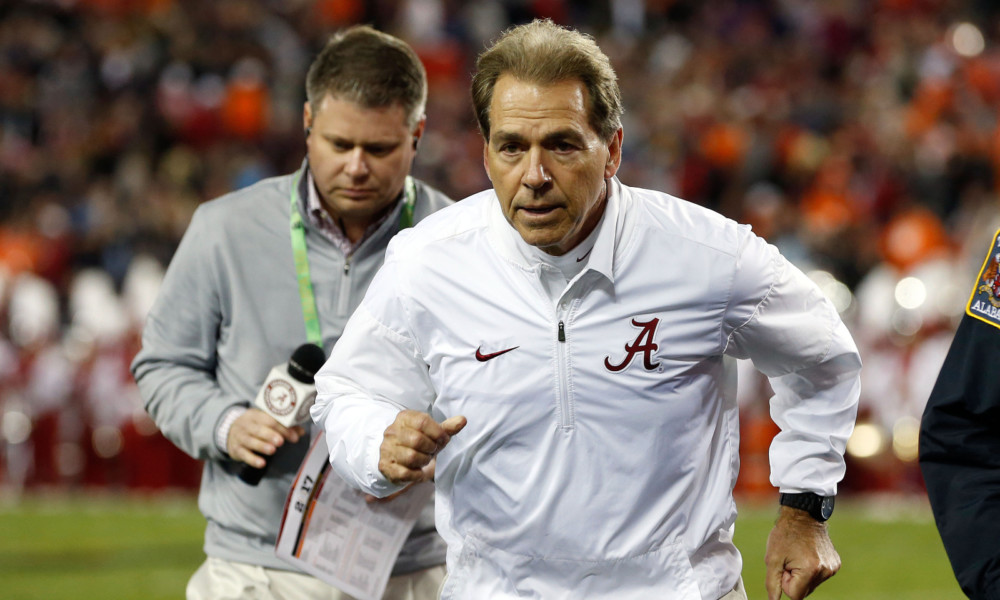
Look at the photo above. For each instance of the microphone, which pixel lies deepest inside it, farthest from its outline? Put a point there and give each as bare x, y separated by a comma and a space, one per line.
287, 394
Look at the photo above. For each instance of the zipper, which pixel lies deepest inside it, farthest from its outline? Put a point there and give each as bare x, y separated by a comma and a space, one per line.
562, 369
344, 297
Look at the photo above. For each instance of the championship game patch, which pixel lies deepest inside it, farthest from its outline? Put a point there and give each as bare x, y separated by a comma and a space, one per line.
984, 304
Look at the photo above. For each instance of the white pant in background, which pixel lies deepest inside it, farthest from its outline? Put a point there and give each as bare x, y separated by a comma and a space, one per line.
218, 579
738, 593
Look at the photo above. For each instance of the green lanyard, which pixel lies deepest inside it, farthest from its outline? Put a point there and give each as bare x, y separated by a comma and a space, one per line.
298, 229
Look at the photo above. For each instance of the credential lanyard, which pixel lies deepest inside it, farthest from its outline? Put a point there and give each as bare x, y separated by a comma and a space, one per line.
314, 333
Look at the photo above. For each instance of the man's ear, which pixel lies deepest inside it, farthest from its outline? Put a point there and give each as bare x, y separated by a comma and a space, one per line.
307, 119
418, 131
486, 159
614, 154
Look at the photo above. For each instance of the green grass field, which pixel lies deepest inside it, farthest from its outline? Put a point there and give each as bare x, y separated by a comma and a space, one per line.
56, 548
890, 550
82, 548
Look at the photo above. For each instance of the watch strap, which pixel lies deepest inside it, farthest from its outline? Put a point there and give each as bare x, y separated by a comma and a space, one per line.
818, 507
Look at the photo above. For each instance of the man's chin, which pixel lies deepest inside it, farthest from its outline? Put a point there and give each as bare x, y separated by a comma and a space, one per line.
361, 209
357, 198
547, 242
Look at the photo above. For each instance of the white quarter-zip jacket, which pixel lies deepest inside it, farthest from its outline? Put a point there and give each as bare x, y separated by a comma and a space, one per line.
602, 441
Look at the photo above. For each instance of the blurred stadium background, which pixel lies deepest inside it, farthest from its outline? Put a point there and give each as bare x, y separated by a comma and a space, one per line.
860, 137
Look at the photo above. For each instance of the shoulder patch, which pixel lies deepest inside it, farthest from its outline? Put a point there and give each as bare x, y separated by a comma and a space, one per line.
984, 303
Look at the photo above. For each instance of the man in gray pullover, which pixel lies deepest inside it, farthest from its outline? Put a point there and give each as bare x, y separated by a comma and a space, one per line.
265, 269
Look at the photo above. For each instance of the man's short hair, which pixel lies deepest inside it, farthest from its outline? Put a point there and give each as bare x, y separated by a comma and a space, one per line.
370, 68
544, 53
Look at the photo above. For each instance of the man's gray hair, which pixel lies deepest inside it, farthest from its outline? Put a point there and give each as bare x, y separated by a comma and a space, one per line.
544, 53
370, 68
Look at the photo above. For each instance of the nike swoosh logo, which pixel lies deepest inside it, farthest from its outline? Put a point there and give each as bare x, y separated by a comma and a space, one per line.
585, 255
485, 357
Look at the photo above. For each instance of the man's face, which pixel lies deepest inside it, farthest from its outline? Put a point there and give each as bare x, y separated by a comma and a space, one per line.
547, 164
359, 158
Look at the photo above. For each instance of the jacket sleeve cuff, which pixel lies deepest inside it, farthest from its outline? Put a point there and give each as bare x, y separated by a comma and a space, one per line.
224, 424
377, 483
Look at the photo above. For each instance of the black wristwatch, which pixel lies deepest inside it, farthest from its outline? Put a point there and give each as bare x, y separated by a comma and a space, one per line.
818, 507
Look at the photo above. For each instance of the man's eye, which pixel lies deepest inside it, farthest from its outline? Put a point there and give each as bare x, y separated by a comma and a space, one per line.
342, 146
509, 148
378, 150
563, 147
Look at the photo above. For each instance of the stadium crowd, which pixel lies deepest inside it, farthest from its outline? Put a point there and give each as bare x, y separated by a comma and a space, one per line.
860, 137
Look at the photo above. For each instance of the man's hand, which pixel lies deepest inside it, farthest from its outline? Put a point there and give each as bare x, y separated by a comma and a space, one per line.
255, 434
428, 476
799, 556
410, 444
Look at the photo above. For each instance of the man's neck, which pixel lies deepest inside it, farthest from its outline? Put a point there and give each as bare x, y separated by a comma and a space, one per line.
353, 230
356, 229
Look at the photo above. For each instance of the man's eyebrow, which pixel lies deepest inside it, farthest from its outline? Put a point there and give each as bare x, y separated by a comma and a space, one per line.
503, 137
337, 138
560, 135
365, 143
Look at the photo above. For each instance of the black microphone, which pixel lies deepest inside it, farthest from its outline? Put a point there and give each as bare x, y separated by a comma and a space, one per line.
287, 394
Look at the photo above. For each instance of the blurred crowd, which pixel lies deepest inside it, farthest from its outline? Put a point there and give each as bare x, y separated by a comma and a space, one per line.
860, 137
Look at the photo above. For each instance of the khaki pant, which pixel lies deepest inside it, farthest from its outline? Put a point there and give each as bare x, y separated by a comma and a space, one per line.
218, 579
738, 593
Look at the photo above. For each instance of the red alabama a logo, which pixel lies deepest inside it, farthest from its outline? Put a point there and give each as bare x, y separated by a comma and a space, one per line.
643, 343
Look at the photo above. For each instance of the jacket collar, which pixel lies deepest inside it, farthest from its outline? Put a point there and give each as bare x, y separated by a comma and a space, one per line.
601, 258
303, 177
387, 226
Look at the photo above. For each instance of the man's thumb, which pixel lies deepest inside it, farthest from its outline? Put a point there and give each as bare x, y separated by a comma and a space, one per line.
773, 583
454, 424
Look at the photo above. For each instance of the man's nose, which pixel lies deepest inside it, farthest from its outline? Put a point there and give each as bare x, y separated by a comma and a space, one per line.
357, 163
536, 174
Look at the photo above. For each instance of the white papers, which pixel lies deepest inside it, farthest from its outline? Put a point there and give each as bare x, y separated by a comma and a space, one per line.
330, 532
